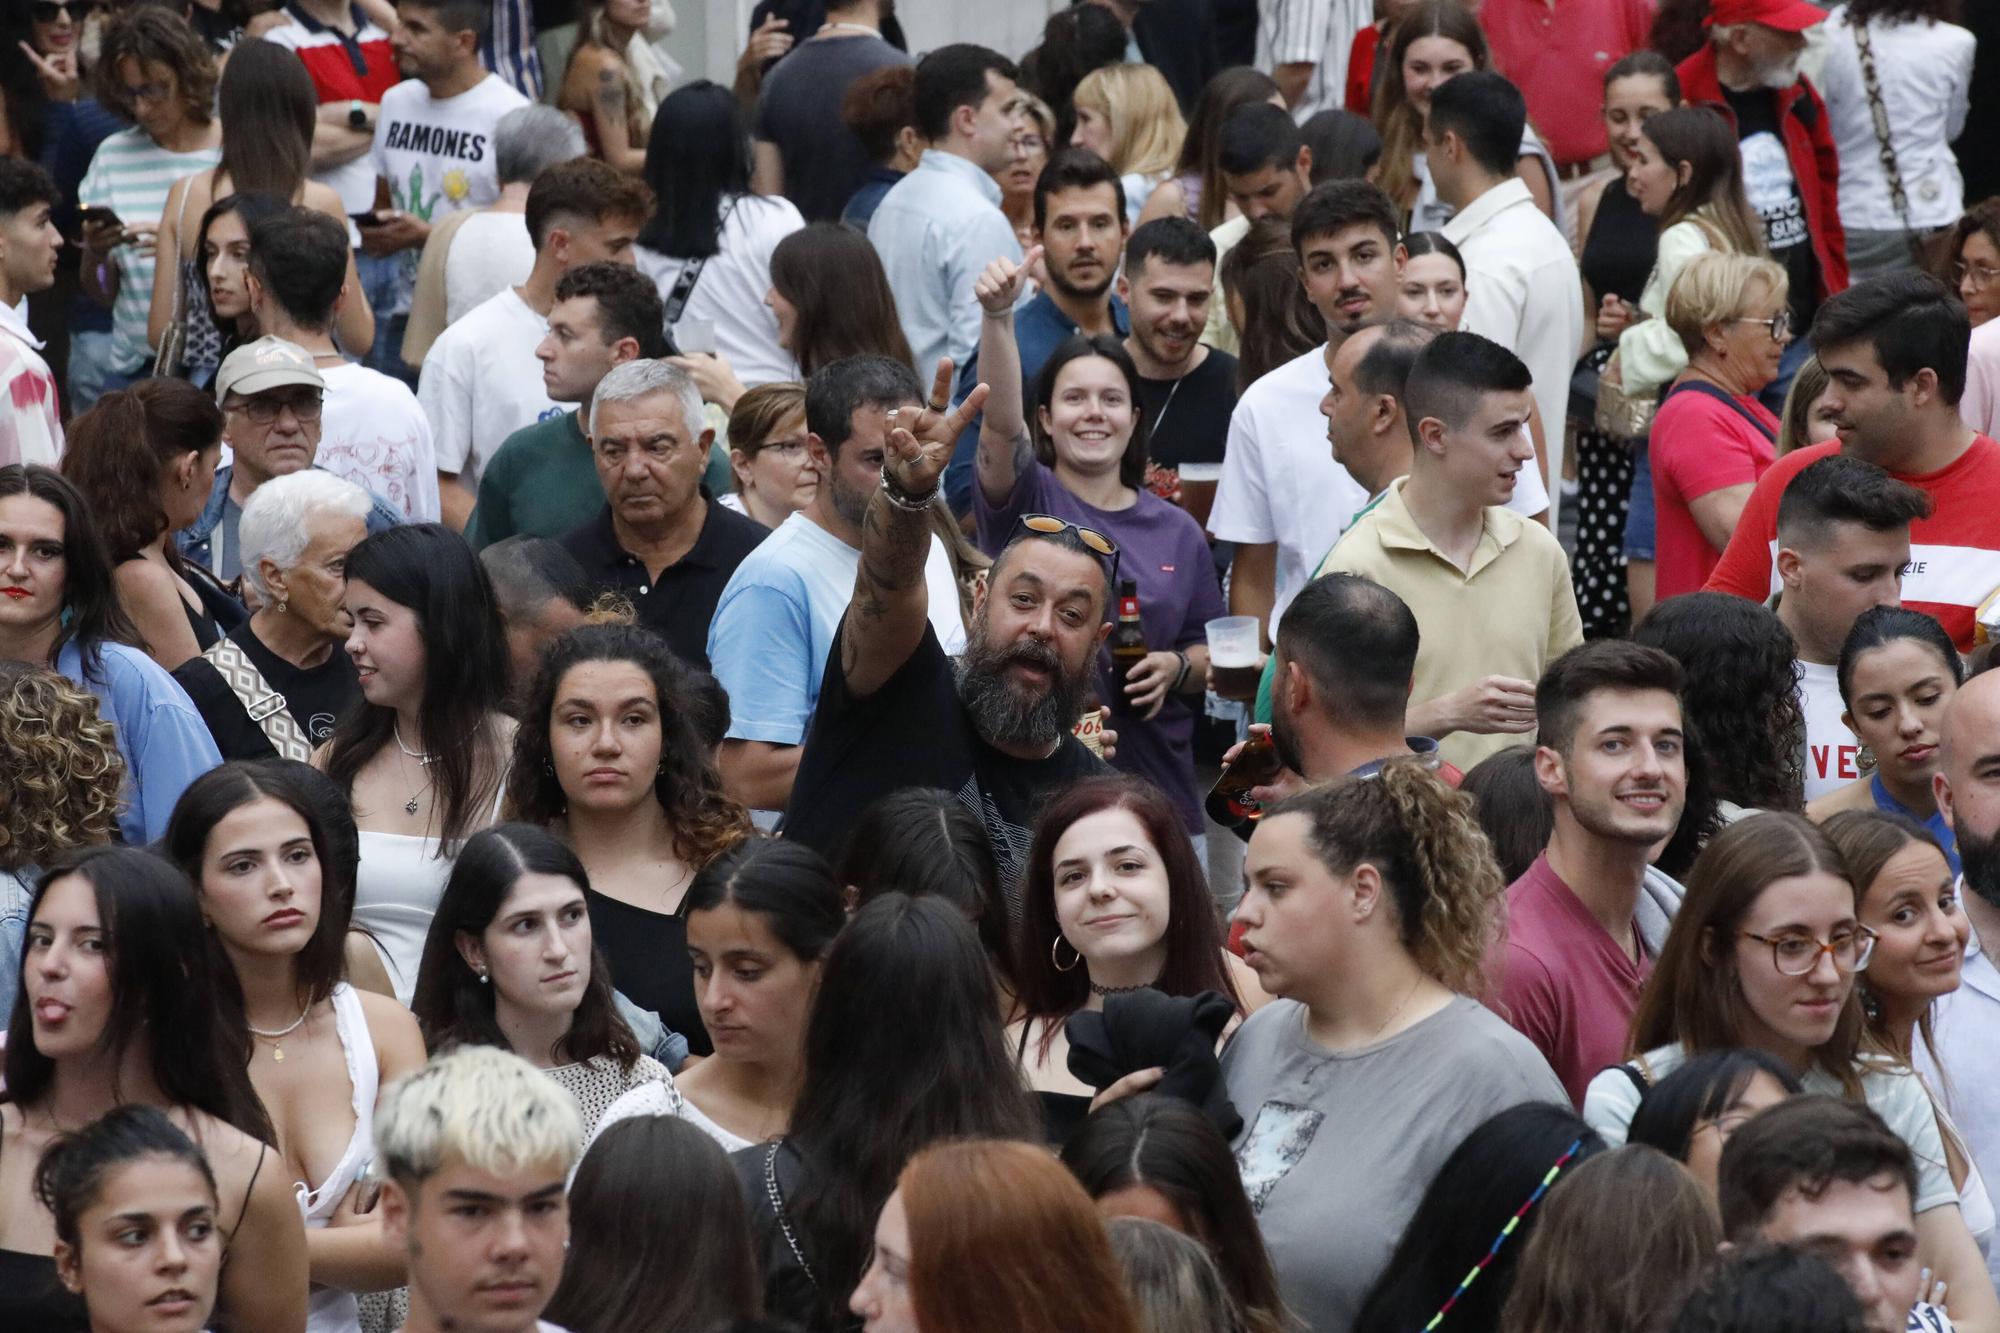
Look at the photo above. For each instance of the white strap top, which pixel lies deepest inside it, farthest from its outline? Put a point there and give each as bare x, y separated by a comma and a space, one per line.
329, 1309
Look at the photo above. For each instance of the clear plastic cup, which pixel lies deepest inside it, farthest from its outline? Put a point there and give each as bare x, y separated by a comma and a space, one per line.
1235, 656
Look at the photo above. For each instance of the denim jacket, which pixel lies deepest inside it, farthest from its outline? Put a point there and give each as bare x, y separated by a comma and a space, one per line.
16, 889
194, 539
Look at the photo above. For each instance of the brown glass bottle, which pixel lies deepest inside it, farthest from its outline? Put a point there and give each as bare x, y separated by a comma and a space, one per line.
1229, 803
1128, 641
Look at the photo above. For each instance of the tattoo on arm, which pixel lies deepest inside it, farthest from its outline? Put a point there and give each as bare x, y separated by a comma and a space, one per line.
1024, 451
610, 92
894, 547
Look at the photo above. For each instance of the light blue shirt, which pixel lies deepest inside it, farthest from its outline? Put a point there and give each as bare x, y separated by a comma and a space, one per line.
17, 889
777, 621
936, 230
165, 743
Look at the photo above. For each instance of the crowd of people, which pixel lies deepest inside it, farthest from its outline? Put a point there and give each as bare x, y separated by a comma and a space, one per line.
578, 643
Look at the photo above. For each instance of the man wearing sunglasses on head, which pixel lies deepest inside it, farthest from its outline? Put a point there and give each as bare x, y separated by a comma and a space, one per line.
996, 727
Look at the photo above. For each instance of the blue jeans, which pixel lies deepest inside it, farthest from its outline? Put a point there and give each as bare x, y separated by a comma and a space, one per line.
382, 283
1639, 524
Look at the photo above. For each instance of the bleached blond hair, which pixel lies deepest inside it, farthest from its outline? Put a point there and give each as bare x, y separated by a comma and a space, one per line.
486, 1107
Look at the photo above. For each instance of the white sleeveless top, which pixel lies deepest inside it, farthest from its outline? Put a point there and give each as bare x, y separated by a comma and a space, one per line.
396, 892
330, 1309
663, 1098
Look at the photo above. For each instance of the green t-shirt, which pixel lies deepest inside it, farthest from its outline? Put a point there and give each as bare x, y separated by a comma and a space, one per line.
543, 481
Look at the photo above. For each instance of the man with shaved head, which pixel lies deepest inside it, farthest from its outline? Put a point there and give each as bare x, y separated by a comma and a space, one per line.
1967, 786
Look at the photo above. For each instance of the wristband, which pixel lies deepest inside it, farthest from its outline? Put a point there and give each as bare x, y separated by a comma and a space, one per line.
902, 499
1181, 679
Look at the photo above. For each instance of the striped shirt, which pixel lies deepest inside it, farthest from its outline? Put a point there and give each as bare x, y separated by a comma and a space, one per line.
132, 175
508, 48
1954, 554
1314, 32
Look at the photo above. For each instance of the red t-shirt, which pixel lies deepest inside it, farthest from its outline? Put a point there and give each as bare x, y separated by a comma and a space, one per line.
1565, 984
1699, 444
1954, 554
1556, 53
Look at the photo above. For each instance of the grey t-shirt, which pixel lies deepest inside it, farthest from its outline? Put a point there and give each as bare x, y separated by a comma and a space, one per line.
799, 111
1336, 1150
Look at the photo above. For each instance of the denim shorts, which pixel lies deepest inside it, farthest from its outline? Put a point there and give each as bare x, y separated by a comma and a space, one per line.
1639, 538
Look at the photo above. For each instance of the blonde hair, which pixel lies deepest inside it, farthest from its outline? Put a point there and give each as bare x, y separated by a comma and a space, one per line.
1146, 124
1715, 288
60, 767
1434, 859
486, 1107
1025, 103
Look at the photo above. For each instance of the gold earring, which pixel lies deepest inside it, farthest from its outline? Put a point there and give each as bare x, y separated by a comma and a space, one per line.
1055, 960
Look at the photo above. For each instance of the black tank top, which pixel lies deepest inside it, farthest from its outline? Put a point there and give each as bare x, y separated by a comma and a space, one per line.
32, 1297
1623, 242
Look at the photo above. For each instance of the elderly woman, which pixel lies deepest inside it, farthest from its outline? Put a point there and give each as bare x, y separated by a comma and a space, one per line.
275, 686
1711, 438
775, 477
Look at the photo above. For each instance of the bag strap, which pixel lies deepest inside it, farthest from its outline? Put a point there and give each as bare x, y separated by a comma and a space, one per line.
1710, 390
1879, 114
1638, 1079
683, 288
777, 1197
266, 707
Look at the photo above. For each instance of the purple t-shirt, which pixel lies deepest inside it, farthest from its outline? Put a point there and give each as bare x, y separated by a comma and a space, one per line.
1164, 551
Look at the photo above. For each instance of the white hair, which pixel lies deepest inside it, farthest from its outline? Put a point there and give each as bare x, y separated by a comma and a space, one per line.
485, 1107
644, 378
275, 519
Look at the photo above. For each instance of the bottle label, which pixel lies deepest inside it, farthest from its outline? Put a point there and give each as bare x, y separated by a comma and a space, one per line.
1128, 608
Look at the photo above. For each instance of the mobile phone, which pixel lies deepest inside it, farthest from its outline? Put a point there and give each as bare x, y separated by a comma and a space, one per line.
369, 219
96, 215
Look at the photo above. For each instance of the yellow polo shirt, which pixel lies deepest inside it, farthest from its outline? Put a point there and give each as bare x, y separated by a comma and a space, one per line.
1511, 613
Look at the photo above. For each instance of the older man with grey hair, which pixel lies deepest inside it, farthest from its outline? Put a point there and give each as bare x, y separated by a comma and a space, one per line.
274, 688
662, 540
498, 252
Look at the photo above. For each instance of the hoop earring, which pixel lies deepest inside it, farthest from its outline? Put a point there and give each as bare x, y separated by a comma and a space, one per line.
1055, 960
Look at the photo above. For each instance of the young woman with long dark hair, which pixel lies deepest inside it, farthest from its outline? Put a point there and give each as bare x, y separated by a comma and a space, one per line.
222, 252
510, 962
1115, 901
710, 228
424, 760
122, 1001
61, 611
1690, 1114
609, 759
903, 1048
250, 839
1764, 953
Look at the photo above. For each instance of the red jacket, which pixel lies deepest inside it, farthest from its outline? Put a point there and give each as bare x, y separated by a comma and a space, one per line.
1809, 144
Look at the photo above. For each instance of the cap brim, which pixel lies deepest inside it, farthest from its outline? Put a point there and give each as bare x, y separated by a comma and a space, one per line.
1795, 16
257, 381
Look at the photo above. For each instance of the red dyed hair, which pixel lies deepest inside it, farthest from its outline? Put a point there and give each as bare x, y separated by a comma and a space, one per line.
1003, 1239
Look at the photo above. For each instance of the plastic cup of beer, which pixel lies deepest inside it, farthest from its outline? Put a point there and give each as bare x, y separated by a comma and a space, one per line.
1234, 656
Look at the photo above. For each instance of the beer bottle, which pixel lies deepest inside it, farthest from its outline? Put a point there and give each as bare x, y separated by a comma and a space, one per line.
1229, 803
1128, 641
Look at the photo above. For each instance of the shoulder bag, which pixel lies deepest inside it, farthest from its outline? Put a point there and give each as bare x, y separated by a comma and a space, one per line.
1926, 249
265, 705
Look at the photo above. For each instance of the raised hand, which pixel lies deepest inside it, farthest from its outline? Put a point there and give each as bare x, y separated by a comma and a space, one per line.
59, 77
921, 438
770, 41
999, 287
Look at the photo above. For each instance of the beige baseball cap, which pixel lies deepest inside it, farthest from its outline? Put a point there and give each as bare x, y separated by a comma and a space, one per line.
265, 364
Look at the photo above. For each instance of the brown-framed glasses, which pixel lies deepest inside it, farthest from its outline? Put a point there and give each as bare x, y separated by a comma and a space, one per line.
1796, 954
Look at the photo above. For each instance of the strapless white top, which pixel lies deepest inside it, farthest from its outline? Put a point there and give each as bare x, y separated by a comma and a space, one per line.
396, 893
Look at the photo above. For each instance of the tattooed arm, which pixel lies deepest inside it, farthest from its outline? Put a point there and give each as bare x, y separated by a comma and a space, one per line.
609, 112
1004, 448
885, 621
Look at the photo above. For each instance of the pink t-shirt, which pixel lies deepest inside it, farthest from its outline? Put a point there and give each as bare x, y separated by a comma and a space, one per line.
1699, 444
1564, 983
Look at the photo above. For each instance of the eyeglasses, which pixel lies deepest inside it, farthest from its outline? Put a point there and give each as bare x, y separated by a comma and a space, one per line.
262, 410
1779, 325
1796, 955
1048, 525
791, 450
1027, 145
47, 11
1977, 276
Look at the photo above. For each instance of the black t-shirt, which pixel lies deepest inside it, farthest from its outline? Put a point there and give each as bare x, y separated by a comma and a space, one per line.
913, 732
648, 957
314, 696
799, 111
681, 602
1773, 191
1189, 417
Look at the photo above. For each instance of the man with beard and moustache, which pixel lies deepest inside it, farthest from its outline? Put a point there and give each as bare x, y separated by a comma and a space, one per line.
894, 711
1581, 930
1187, 389
1967, 787
1749, 70
780, 614
1080, 225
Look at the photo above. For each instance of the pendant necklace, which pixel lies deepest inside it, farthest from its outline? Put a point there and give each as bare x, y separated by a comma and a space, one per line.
276, 1038
410, 806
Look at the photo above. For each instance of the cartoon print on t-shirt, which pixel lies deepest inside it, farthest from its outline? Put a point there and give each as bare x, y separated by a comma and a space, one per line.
1278, 1140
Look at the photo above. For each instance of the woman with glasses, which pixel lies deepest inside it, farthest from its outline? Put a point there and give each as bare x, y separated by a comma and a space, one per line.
775, 477
1685, 170
1085, 463
1711, 438
1975, 261
1764, 954
1033, 136
1897, 672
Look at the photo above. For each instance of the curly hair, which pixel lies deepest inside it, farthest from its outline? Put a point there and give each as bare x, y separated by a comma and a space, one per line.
156, 35
1741, 696
706, 823
60, 769
1426, 840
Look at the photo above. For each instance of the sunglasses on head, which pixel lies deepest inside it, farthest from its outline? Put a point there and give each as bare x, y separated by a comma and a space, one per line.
1048, 525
